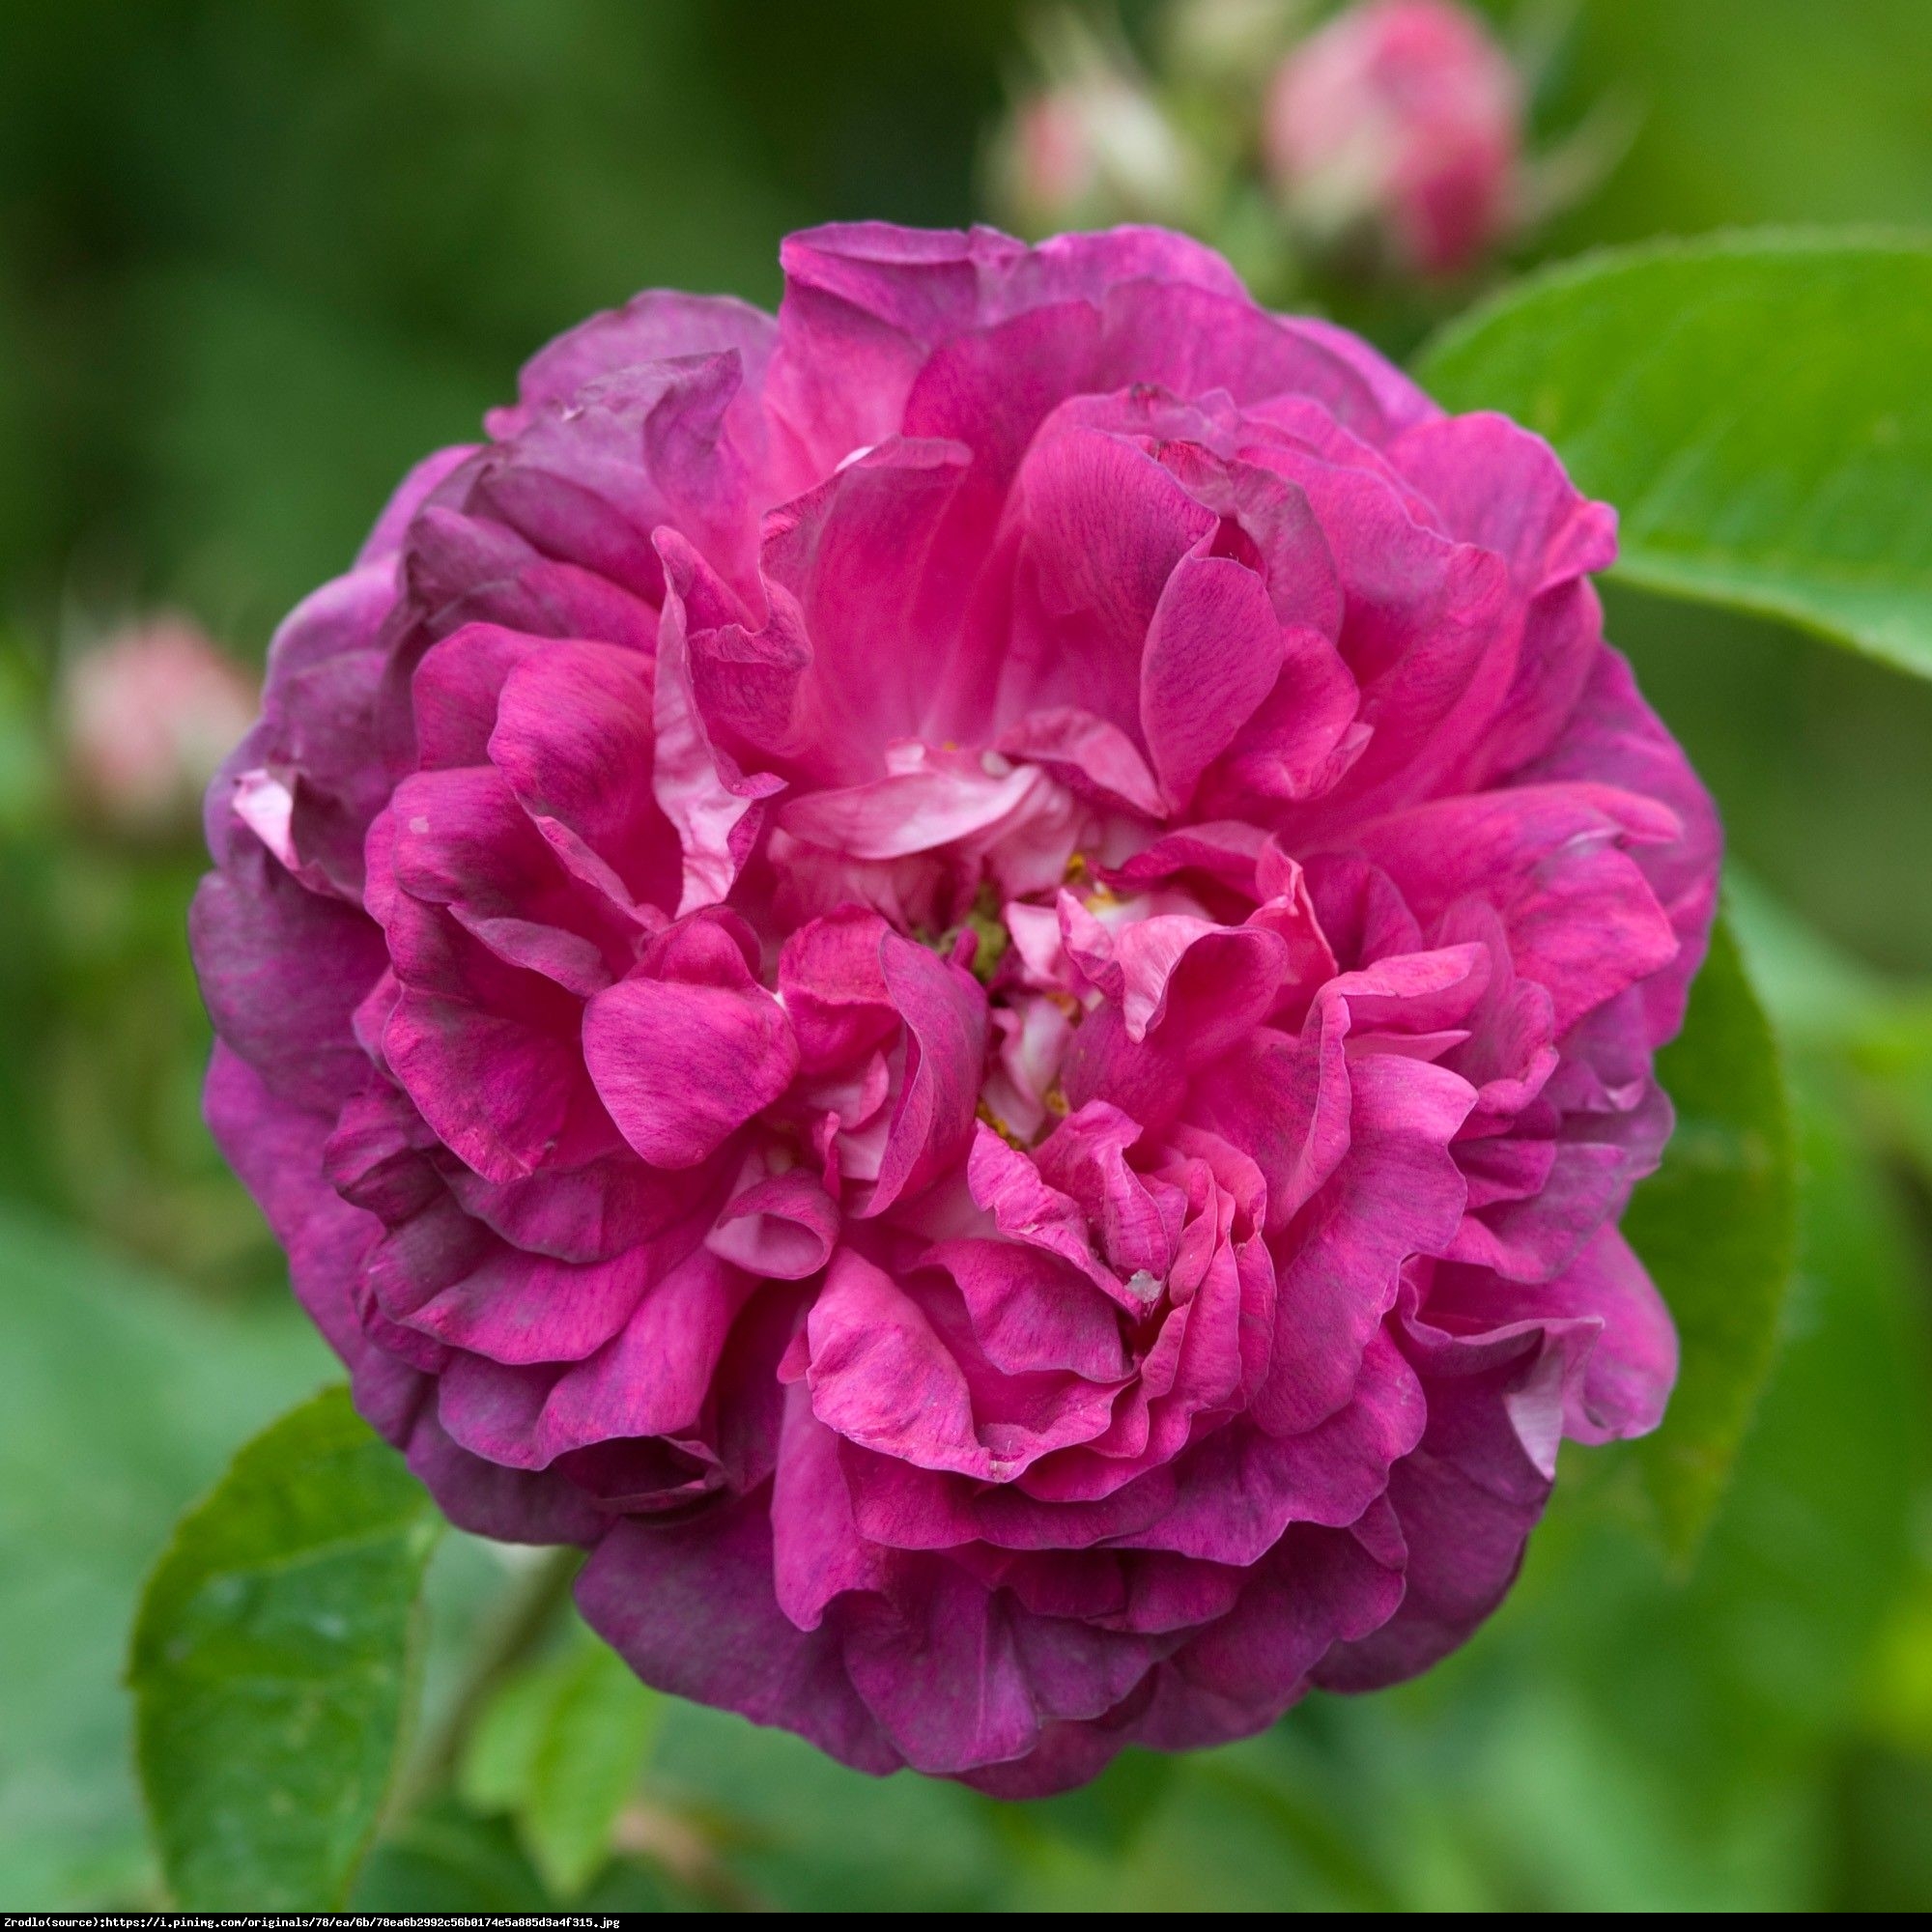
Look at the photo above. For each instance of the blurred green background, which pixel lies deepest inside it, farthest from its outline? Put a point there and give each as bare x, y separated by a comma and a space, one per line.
253, 260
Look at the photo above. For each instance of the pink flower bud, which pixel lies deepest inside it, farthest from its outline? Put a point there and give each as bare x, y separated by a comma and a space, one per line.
1053, 160
1399, 121
148, 717
1093, 149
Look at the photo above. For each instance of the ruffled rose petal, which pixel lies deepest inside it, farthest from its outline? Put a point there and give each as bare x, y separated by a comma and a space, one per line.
685, 1055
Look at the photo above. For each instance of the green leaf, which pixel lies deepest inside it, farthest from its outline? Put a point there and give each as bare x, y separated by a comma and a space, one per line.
1754, 406
562, 1747
272, 1664
1715, 1226
501, 1752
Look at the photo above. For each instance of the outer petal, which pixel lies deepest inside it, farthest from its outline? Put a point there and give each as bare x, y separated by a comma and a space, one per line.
691, 1608
1633, 1363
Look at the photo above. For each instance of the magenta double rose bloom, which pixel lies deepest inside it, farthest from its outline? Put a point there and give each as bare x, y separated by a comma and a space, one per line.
971, 978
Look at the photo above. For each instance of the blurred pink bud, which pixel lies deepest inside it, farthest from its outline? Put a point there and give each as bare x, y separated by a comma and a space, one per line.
1093, 149
1053, 160
1400, 120
148, 716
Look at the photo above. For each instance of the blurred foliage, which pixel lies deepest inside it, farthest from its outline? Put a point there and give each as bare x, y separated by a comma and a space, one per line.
1754, 111
253, 260
120, 1397
559, 1747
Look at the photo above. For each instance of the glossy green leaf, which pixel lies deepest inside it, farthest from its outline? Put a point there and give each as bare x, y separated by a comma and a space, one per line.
1715, 1225
562, 1748
1754, 406
272, 1664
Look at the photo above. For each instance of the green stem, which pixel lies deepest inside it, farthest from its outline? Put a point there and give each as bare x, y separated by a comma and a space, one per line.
516, 1633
